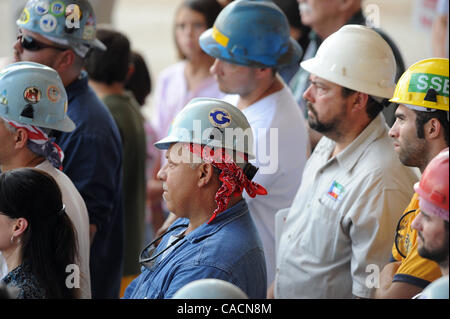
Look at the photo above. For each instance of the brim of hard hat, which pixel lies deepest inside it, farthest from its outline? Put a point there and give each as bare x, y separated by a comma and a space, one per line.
66, 125
166, 142
314, 66
99, 45
211, 47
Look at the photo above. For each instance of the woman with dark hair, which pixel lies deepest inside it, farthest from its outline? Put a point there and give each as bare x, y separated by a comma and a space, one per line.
190, 77
180, 83
37, 237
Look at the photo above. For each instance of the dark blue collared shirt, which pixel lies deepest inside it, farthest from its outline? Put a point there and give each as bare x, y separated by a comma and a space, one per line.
93, 161
229, 248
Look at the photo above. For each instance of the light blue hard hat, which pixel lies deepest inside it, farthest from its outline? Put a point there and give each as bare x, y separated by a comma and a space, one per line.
211, 122
210, 288
33, 94
66, 22
438, 289
252, 33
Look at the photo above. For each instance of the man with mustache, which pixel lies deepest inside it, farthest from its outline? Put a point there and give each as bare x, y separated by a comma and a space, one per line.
432, 221
60, 34
325, 18
214, 235
420, 132
340, 224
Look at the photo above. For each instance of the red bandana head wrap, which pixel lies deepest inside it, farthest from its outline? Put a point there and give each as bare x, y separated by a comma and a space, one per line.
233, 179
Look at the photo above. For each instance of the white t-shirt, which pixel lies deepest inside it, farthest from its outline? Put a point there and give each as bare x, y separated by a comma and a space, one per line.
78, 214
280, 161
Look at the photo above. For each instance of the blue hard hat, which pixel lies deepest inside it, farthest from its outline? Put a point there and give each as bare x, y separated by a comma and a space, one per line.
33, 94
252, 33
66, 22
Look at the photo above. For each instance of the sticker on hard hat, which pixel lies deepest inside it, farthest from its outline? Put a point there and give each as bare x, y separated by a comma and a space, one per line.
3, 98
42, 7
422, 82
24, 17
32, 95
57, 8
219, 118
48, 23
53, 93
220, 37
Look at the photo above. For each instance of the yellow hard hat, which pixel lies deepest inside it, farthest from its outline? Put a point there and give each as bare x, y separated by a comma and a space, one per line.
424, 84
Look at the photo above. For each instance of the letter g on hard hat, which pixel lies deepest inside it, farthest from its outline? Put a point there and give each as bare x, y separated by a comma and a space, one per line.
211, 122
251, 33
433, 186
358, 58
425, 84
66, 22
33, 94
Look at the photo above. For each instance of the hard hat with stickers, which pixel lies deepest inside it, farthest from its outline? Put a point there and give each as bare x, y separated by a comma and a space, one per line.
66, 22
33, 94
424, 86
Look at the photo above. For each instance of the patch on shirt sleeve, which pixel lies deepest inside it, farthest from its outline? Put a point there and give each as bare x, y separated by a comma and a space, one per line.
336, 191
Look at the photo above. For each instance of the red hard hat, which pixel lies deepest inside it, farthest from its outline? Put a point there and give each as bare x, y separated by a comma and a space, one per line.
433, 186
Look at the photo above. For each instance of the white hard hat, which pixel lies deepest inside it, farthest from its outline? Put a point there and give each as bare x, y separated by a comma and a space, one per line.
358, 58
210, 289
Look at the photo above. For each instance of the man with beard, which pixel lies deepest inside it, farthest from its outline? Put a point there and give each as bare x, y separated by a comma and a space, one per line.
420, 132
339, 227
324, 18
432, 221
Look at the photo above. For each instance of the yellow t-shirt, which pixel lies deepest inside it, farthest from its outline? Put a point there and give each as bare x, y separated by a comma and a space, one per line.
414, 269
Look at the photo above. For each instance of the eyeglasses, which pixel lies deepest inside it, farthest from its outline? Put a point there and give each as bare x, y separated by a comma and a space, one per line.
147, 259
31, 44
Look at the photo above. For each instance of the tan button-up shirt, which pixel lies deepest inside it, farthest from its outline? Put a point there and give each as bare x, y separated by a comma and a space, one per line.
339, 230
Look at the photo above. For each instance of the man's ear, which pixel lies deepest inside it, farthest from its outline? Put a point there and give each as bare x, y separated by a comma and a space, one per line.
359, 101
20, 138
345, 5
205, 173
432, 129
64, 60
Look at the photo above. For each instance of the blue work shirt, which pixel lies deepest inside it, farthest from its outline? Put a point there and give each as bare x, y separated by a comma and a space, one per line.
229, 248
93, 161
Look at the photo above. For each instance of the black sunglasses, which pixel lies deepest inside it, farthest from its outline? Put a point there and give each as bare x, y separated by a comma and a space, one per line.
31, 44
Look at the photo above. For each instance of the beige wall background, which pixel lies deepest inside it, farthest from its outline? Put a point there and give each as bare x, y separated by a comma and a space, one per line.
148, 24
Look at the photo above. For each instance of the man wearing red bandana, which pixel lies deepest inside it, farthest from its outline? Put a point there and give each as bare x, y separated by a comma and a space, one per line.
214, 236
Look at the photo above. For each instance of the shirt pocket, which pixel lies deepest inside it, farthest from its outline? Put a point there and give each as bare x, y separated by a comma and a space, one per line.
319, 237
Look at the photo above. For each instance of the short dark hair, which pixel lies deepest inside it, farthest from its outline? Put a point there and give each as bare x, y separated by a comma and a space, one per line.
210, 9
140, 82
112, 65
373, 107
423, 117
